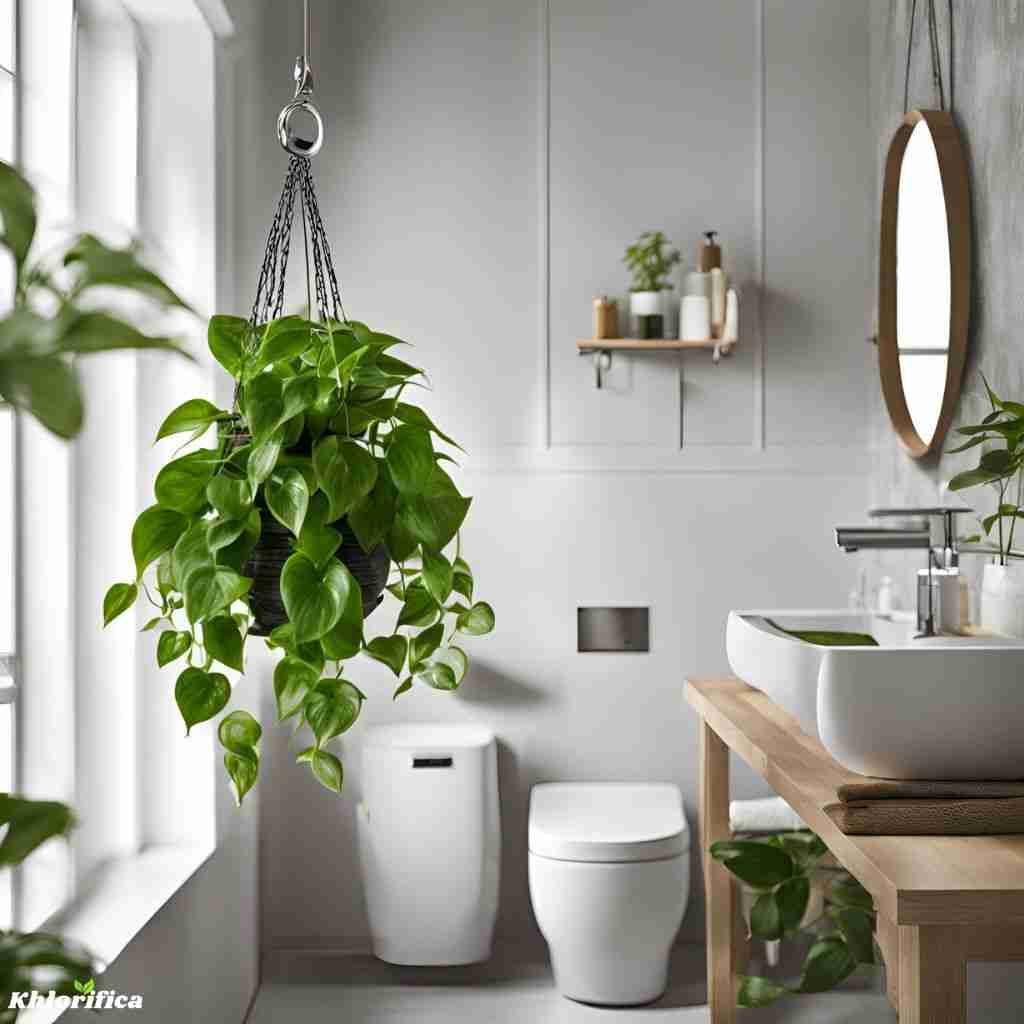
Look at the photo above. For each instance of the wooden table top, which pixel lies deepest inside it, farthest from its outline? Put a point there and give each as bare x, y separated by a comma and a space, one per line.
913, 879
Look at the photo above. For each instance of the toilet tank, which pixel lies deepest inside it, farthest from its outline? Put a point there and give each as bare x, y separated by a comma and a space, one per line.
430, 842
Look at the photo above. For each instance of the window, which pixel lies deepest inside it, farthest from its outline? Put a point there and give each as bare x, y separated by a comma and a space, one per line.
116, 140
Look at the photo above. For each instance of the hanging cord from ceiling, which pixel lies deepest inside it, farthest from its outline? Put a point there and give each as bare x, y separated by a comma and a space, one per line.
321, 277
934, 49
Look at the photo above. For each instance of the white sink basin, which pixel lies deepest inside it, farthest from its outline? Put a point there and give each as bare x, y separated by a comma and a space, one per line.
937, 708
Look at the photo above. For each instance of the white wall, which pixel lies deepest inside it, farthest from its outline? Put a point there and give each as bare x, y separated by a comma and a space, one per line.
485, 165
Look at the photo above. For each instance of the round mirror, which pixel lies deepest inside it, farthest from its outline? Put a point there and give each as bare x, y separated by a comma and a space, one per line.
925, 281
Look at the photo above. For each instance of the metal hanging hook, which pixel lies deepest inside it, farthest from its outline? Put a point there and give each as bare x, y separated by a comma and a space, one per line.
303, 101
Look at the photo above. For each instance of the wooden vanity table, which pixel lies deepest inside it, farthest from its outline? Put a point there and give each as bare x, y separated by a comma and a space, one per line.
941, 900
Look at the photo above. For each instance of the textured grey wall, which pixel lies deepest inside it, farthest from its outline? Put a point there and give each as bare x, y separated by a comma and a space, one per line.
988, 95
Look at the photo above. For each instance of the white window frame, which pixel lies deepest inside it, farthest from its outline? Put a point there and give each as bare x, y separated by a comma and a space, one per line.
147, 836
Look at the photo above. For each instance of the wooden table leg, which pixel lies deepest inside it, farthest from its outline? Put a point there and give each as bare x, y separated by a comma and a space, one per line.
933, 974
718, 888
887, 935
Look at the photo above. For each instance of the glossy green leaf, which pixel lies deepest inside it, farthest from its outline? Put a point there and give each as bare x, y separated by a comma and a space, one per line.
462, 578
828, 962
331, 708
227, 337
318, 542
476, 621
758, 864
181, 484
100, 265
222, 533
263, 406
792, 897
48, 388
223, 641
419, 609
438, 675
345, 638
858, 929
423, 645
230, 496
17, 213
327, 769
171, 645
282, 340
191, 551
455, 658
210, 589
299, 393
239, 733
371, 518
410, 459
434, 517
287, 497
243, 772
118, 599
263, 458
404, 687
195, 414
390, 650
846, 891
293, 681
200, 695
438, 576
766, 918
314, 598
156, 530
29, 824
758, 992
345, 471
416, 417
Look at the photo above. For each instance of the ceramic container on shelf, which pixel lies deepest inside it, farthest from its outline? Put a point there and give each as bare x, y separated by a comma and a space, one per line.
1002, 600
648, 310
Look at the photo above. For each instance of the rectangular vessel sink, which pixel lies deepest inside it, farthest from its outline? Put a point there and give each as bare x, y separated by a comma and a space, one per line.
930, 708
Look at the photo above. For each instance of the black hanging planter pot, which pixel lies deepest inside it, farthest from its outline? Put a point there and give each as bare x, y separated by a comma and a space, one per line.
275, 547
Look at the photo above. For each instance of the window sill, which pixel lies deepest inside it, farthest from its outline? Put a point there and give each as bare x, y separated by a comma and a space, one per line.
122, 897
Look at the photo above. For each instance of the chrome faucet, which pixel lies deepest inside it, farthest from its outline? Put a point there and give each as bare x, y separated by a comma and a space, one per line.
918, 537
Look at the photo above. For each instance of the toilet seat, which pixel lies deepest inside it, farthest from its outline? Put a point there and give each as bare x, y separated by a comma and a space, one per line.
607, 822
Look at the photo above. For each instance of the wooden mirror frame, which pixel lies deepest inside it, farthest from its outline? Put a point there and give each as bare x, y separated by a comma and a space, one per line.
956, 191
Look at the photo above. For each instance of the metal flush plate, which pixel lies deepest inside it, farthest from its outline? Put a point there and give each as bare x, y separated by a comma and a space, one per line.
613, 629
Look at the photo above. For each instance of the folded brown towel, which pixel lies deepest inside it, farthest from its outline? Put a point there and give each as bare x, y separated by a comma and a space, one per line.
897, 789
943, 817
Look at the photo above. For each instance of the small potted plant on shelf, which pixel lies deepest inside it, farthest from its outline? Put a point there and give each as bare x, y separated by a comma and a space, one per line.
1000, 436
650, 261
780, 875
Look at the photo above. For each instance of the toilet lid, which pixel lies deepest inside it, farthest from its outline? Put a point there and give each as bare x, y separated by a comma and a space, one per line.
607, 821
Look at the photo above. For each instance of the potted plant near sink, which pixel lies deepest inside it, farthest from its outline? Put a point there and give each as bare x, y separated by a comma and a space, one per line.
650, 261
1000, 438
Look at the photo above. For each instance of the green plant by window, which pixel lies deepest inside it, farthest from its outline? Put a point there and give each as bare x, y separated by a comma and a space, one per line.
650, 261
55, 318
779, 868
320, 434
36, 960
1000, 466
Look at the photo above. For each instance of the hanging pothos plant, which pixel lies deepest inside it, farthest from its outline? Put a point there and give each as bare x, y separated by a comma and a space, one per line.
323, 453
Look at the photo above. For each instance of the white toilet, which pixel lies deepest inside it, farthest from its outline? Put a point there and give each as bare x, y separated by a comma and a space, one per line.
609, 883
430, 842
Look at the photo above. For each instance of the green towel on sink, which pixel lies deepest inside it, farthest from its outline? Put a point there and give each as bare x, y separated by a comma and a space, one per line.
827, 637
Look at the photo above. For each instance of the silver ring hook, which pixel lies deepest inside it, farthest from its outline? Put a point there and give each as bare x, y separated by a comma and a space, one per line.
303, 100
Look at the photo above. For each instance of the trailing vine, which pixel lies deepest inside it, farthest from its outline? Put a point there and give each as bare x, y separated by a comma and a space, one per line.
321, 442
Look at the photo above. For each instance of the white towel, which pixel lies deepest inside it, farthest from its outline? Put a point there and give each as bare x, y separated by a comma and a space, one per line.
770, 814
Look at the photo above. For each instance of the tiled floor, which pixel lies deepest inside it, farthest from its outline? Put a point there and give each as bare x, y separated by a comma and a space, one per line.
361, 990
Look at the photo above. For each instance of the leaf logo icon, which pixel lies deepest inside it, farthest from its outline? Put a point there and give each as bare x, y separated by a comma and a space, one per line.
86, 988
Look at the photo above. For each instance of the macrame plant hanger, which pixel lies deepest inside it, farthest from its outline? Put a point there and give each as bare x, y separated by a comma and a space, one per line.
298, 183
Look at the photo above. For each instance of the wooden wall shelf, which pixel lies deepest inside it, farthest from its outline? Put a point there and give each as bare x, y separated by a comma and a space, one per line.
641, 345
602, 348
